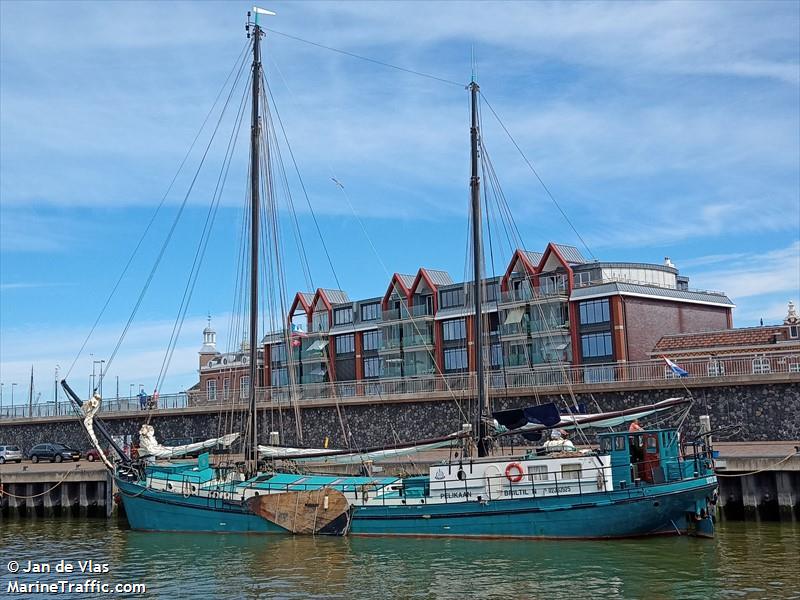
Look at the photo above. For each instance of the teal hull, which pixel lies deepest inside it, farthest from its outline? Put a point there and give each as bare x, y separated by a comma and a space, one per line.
651, 510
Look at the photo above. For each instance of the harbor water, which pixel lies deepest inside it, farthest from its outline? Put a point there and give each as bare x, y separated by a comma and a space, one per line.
746, 560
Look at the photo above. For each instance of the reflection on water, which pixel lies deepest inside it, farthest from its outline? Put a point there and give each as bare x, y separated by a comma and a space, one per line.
746, 560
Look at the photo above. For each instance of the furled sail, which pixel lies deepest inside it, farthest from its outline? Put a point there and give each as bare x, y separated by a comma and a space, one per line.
149, 446
90, 408
347, 457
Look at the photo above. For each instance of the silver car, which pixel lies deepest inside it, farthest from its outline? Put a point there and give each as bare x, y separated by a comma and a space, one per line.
9, 453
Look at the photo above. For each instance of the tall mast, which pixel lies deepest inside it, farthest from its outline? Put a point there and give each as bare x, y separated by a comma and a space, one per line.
251, 456
477, 279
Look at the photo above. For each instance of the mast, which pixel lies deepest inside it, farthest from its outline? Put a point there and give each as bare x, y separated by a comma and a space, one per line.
251, 454
477, 279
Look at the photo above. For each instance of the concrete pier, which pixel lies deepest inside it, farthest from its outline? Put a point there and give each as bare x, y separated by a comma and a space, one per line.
757, 481
56, 489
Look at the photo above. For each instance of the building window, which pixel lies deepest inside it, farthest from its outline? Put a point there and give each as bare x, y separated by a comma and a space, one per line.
244, 386
343, 316
596, 345
371, 312
455, 359
496, 355
373, 367
451, 298
793, 331
491, 291
372, 340
226, 388
278, 353
594, 311
211, 389
280, 377
582, 279
454, 330
345, 344
319, 321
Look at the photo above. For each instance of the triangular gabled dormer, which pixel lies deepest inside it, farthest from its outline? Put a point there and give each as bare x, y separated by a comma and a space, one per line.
424, 290
555, 270
301, 305
522, 266
399, 290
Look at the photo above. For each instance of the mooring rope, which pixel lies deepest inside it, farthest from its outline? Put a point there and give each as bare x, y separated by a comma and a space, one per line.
10, 495
767, 468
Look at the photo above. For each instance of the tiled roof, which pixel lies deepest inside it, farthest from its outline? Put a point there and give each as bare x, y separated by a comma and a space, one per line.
745, 336
635, 289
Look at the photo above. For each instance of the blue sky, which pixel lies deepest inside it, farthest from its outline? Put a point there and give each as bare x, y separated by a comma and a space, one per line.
663, 129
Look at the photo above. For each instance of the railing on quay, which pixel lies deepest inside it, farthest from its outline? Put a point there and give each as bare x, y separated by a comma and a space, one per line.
515, 380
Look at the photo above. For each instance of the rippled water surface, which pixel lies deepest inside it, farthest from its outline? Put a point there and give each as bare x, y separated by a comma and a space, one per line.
744, 561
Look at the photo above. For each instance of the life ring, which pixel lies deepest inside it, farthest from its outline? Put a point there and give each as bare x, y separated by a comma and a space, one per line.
514, 472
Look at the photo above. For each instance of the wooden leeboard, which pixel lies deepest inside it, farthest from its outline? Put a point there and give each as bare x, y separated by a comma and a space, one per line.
304, 512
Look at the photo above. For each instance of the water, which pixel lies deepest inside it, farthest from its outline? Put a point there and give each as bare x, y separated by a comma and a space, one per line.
746, 560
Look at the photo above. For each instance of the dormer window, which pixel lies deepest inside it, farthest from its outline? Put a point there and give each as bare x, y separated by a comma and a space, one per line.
794, 331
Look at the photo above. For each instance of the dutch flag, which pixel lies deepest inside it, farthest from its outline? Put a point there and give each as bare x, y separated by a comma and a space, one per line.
675, 368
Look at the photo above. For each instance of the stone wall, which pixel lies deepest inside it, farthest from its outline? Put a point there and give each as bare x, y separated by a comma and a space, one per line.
767, 412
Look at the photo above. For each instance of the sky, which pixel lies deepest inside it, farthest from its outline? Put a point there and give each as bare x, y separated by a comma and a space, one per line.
661, 129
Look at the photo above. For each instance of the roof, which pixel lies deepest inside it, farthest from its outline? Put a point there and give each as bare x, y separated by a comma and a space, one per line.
336, 296
534, 257
652, 291
408, 280
744, 336
438, 277
571, 254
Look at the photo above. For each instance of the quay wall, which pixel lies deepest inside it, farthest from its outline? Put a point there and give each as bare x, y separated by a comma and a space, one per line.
765, 411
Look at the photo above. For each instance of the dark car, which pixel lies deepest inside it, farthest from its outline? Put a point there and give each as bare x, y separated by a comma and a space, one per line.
53, 453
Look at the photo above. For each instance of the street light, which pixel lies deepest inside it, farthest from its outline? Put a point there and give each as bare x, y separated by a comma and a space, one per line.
1, 397
94, 387
130, 393
13, 385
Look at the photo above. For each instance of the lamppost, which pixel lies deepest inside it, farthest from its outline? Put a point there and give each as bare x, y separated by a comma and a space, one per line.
13, 385
94, 387
130, 393
1, 398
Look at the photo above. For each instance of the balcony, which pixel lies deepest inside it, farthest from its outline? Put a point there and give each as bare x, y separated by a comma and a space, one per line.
405, 313
417, 340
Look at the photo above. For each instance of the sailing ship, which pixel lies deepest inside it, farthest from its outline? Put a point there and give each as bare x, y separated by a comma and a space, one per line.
632, 484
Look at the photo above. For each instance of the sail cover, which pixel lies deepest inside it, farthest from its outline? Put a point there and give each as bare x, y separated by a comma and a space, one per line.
604, 419
544, 415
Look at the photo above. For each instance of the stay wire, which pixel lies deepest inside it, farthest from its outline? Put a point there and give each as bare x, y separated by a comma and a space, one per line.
155, 214
171, 232
367, 59
536, 173
204, 237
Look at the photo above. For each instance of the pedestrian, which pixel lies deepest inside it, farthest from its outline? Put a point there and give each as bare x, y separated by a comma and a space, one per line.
142, 399
635, 427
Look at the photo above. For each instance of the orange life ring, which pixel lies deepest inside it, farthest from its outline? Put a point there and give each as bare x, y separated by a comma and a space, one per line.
514, 472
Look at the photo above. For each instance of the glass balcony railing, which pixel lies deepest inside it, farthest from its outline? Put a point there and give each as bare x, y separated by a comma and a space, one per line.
417, 339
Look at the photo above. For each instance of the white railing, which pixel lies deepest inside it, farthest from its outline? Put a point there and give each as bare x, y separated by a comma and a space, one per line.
518, 380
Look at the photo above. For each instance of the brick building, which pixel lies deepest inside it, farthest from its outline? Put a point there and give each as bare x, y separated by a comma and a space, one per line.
548, 307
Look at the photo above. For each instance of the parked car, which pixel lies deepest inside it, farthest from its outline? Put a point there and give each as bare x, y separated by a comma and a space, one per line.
92, 455
53, 453
10, 453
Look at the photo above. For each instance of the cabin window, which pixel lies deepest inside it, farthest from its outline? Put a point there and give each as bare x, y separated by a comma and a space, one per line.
652, 443
605, 444
538, 473
619, 442
571, 471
